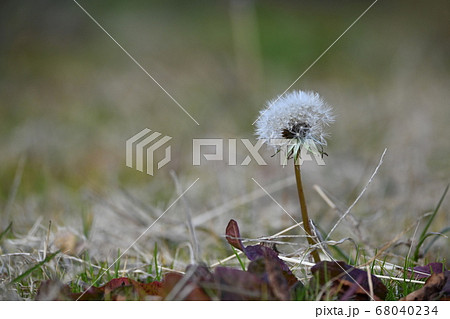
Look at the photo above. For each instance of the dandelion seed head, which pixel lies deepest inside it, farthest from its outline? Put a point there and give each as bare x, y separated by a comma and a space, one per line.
301, 116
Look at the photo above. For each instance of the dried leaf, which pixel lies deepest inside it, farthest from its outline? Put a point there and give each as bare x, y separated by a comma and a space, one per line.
152, 288
124, 293
92, 294
235, 284
190, 286
346, 282
128, 289
353, 291
277, 280
169, 282
265, 260
200, 273
325, 271
437, 287
116, 283
116, 289
56, 291
233, 235
257, 252
421, 272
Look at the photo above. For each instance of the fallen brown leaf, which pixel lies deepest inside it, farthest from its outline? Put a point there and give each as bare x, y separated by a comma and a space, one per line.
437, 287
344, 282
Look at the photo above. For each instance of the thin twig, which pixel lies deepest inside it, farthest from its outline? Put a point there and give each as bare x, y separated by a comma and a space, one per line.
359, 196
220, 262
355, 223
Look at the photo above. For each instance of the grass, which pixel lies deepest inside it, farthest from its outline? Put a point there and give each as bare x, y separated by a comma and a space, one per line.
58, 265
25, 271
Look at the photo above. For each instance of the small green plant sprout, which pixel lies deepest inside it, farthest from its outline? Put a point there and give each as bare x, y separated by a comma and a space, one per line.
291, 123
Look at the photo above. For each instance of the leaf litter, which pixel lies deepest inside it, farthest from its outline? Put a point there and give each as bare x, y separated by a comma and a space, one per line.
267, 277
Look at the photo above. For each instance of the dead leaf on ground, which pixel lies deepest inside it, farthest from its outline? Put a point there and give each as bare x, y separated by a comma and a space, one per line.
196, 285
233, 235
56, 291
264, 260
421, 272
116, 289
437, 287
235, 284
344, 282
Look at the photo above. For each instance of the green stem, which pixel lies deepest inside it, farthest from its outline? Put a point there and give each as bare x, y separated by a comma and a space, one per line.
305, 218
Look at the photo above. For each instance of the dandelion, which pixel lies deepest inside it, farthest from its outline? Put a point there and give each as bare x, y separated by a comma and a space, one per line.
296, 120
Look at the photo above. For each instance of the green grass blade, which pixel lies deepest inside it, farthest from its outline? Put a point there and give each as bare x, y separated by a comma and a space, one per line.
238, 258
423, 235
117, 265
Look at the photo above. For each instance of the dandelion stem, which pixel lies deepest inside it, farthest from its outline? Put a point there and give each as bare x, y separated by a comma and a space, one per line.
305, 218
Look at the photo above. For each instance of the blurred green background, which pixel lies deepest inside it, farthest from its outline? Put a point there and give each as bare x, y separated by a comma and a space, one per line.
70, 97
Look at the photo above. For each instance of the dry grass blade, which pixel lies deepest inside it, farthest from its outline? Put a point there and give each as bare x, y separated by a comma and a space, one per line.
369, 280
359, 196
355, 224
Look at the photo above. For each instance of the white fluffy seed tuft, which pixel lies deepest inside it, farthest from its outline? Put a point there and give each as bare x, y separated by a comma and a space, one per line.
299, 115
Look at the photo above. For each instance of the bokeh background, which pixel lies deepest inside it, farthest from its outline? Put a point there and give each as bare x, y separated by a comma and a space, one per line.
70, 98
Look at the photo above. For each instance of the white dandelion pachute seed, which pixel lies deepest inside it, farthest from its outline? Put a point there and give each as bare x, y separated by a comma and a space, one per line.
297, 119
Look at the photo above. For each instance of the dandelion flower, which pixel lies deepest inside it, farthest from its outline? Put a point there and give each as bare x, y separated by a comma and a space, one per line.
297, 119
299, 116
